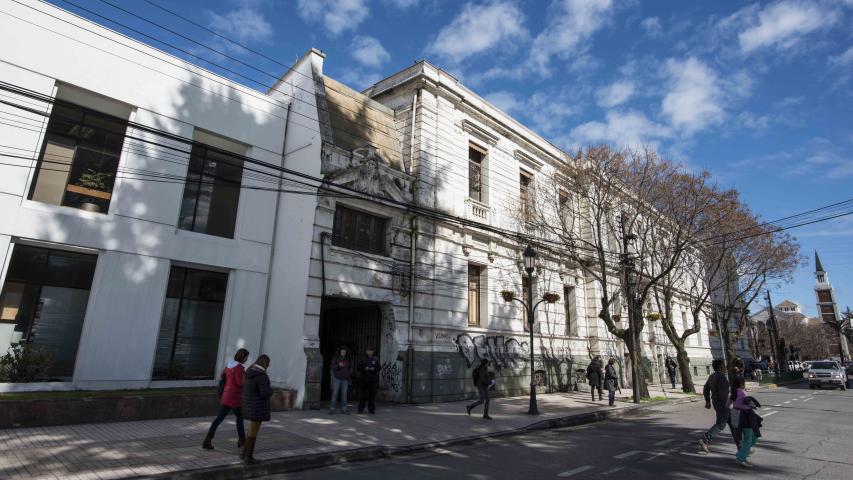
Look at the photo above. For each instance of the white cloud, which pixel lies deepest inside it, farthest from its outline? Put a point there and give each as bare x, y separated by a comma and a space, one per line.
479, 28
844, 59
369, 51
783, 24
505, 101
358, 79
337, 16
615, 94
545, 112
694, 99
625, 129
652, 27
569, 29
245, 24
402, 3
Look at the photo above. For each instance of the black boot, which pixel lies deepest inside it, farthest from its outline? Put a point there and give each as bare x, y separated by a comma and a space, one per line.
486, 414
241, 441
468, 409
249, 451
208, 443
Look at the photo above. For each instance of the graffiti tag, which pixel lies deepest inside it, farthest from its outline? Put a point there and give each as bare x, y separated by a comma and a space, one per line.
391, 376
500, 352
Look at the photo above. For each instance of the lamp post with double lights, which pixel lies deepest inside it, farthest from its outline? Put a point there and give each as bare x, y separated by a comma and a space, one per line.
529, 257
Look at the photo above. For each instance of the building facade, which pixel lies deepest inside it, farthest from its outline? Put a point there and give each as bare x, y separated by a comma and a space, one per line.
156, 217
827, 308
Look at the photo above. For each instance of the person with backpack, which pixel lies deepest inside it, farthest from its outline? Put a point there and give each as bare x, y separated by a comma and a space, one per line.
670, 370
256, 403
484, 384
611, 381
593, 374
368, 371
230, 398
341, 370
748, 421
716, 393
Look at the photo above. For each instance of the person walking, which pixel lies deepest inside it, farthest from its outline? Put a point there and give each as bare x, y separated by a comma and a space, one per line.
483, 383
230, 398
593, 374
611, 381
716, 393
670, 370
749, 422
341, 370
256, 404
368, 371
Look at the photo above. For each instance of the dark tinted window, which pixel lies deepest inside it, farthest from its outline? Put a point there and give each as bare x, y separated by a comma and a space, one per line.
358, 230
211, 192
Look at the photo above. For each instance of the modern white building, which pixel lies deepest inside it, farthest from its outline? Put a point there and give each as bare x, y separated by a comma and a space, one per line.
147, 229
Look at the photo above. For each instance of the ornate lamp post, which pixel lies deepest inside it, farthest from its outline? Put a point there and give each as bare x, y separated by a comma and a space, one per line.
529, 266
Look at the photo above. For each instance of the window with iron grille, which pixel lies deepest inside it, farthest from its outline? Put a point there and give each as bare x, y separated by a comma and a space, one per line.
475, 173
525, 283
474, 295
358, 230
525, 180
569, 305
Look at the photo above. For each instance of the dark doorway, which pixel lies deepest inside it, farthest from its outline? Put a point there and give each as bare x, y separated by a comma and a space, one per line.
352, 324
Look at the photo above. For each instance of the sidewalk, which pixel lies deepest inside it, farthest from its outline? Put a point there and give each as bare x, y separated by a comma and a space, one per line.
116, 450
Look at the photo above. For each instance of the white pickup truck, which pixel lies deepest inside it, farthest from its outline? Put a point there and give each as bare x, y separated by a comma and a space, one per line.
827, 372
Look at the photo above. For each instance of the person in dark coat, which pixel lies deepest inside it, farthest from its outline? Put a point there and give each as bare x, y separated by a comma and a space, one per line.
593, 374
368, 371
256, 403
670, 370
716, 393
611, 381
231, 398
483, 382
341, 371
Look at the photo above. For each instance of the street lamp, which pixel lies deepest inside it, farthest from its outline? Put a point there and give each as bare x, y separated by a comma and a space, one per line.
509, 296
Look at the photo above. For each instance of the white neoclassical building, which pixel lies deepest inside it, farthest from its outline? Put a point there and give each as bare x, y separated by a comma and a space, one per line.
154, 217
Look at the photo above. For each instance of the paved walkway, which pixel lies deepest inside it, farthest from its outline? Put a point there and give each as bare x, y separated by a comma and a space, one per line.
116, 450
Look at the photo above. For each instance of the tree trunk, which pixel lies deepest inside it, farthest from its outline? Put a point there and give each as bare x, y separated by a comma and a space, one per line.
684, 368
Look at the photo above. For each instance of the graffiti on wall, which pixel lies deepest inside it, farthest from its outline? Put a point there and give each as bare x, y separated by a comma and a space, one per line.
500, 352
391, 376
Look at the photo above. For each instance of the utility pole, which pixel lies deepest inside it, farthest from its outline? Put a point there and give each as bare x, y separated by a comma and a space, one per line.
631, 294
774, 331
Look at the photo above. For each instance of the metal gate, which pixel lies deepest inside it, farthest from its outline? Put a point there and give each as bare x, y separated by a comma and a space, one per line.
355, 325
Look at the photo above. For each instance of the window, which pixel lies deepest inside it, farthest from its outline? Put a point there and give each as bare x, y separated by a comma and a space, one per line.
188, 341
212, 192
43, 303
474, 297
525, 285
358, 230
79, 158
821, 278
569, 305
525, 180
476, 155
824, 296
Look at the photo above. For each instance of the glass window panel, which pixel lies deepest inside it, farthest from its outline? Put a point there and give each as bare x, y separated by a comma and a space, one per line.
212, 193
57, 326
197, 341
28, 264
359, 231
166, 337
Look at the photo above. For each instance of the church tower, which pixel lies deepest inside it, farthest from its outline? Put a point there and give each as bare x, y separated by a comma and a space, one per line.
827, 309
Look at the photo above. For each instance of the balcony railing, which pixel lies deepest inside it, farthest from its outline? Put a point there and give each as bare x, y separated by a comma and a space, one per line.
477, 211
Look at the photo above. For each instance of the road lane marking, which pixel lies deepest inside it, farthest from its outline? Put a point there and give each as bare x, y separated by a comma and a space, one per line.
770, 413
778, 405
787, 402
612, 470
575, 471
654, 456
627, 454
810, 398
794, 400
663, 442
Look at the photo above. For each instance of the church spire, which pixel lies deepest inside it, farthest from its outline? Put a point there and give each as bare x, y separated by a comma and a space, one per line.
817, 266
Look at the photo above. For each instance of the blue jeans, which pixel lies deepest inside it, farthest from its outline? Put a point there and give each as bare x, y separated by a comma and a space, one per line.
339, 386
745, 444
223, 412
720, 424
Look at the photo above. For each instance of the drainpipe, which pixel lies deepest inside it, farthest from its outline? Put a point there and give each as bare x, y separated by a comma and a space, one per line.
410, 352
323, 236
275, 226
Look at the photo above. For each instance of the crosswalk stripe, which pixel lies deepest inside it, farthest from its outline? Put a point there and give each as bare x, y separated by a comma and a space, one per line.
663, 442
627, 454
575, 471
770, 413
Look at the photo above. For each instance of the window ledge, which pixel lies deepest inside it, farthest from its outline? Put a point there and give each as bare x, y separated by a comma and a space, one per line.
63, 210
180, 232
351, 251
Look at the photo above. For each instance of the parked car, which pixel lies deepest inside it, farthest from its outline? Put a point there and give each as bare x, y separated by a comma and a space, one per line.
827, 372
807, 365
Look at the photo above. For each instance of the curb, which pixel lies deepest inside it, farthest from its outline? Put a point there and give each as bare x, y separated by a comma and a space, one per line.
319, 460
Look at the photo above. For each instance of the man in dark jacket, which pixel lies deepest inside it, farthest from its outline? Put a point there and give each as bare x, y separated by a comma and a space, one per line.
482, 382
670, 370
593, 374
716, 392
369, 372
256, 403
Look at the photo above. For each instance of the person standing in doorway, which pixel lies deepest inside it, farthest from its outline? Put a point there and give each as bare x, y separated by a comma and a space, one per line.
256, 403
670, 370
341, 370
611, 381
593, 374
482, 381
230, 398
716, 392
368, 370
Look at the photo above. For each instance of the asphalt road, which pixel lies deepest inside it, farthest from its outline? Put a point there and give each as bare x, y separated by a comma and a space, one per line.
806, 435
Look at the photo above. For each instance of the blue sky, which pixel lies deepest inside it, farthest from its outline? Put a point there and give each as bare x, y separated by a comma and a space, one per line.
759, 93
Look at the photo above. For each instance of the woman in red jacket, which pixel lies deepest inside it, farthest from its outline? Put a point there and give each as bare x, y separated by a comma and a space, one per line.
230, 399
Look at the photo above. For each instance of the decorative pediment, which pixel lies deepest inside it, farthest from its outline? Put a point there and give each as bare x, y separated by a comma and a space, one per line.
528, 160
480, 132
370, 174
